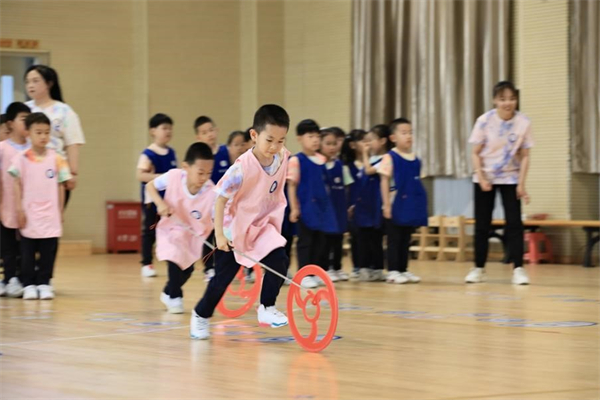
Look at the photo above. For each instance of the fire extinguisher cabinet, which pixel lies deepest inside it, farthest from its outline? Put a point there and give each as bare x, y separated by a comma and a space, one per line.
123, 226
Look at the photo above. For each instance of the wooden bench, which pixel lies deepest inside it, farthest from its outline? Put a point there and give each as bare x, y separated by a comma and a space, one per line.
440, 242
591, 228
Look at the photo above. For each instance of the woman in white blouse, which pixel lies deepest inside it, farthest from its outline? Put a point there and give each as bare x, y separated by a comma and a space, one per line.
43, 88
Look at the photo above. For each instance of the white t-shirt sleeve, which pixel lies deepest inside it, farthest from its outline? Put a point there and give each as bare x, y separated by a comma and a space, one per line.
231, 182
348, 179
162, 182
73, 133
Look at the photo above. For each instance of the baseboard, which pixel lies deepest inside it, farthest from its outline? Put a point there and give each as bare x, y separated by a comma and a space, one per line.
70, 248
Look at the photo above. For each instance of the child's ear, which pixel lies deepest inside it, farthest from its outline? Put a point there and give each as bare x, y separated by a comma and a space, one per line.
253, 135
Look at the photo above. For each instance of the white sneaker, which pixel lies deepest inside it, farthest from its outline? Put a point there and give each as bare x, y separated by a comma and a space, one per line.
520, 276
309, 282
377, 275
333, 275
148, 271
412, 278
46, 292
209, 275
397, 278
391, 276
30, 293
199, 327
174, 306
14, 287
475, 275
2, 289
354, 275
270, 316
365, 275
343, 276
319, 281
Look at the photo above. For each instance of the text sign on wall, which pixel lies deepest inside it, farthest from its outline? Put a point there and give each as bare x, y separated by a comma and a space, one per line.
19, 44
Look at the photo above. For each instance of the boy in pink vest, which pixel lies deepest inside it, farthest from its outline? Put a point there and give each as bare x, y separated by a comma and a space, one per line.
39, 175
248, 217
190, 197
9, 244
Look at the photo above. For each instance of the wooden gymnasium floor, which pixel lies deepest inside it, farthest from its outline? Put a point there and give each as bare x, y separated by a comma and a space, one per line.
107, 336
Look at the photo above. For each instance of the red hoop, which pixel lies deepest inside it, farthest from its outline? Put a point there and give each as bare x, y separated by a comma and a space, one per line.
313, 298
250, 294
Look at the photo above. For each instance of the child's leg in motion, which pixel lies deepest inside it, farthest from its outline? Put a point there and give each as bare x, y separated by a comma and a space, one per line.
226, 267
172, 295
47, 249
28, 252
177, 278
148, 239
267, 313
225, 270
209, 263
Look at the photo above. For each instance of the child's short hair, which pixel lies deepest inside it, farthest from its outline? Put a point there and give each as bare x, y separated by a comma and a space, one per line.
198, 151
357, 134
307, 126
270, 114
201, 120
235, 134
383, 132
247, 136
36, 118
334, 130
503, 85
398, 121
159, 119
15, 109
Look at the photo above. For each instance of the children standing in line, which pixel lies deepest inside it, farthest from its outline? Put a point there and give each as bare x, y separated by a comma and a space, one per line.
310, 204
189, 196
352, 157
15, 116
248, 217
154, 161
337, 178
39, 176
368, 208
406, 208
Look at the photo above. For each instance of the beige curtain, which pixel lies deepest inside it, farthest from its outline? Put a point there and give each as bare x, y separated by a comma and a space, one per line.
585, 85
434, 62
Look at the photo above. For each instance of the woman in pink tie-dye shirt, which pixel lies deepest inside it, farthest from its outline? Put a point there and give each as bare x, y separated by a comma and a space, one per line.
501, 140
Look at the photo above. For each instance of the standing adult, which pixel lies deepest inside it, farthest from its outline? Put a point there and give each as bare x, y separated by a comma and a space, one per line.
42, 85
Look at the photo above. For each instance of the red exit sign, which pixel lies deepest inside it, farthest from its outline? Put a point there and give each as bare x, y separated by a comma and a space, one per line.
19, 44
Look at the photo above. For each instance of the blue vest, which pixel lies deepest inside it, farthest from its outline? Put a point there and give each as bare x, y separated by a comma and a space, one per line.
161, 165
316, 211
354, 187
367, 211
334, 178
410, 204
288, 228
221, 164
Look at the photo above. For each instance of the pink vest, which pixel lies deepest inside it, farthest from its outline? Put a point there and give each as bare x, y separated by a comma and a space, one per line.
8, 212
40, 201
257, 210
174, 242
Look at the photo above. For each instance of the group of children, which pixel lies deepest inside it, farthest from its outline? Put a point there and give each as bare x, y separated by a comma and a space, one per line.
32, 197
255, 198
364, 183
